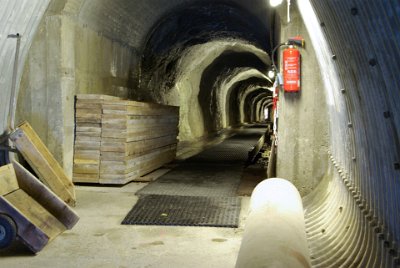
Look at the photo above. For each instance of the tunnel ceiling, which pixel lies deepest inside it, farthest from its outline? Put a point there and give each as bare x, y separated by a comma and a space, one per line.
200, 23
219, 40
130, 21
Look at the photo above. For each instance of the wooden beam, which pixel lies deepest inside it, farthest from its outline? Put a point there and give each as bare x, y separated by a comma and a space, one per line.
45, 197
43, 163
8, 180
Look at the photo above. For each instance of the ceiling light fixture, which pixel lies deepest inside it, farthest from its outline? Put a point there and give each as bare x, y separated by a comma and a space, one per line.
275, 3
271, 73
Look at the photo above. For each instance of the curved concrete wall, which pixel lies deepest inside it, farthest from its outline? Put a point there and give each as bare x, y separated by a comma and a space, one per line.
21, 17
353, 217
303, 124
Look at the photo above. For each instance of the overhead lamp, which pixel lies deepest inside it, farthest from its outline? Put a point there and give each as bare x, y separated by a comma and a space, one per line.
271, 73
275, 3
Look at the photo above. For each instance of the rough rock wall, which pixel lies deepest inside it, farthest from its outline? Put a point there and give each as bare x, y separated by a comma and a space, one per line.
192, 54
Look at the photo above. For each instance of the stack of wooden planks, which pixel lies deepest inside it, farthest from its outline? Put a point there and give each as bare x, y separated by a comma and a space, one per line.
88, 111
118, 141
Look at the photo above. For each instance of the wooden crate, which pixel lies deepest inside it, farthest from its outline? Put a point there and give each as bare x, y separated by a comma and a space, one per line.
132, 139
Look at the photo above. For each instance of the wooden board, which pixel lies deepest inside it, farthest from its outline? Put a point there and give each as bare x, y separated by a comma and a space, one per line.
138, 134
86, 166
145, 166
45, 197
43, 163
131, 148
153, 175
8, 180
134, 160
96, 97
86, 178
35, 213
87, 155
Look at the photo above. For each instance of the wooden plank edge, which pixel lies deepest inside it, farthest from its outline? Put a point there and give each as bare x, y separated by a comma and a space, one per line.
45, 196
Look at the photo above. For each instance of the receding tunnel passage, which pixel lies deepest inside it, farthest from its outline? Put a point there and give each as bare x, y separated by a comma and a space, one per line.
213, 77
152, 94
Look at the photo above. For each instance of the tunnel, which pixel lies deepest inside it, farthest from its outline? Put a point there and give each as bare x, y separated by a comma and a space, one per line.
337, 139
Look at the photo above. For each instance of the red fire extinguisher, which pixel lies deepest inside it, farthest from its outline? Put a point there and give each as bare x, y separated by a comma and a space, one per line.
291, 69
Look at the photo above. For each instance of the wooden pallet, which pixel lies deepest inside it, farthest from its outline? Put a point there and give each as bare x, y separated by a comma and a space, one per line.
43, 163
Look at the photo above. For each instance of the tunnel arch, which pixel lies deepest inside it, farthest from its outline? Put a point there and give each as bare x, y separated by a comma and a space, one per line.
236, 99
193, 24
356, 162
267, 104
210, 88
248, 102
260, 106
244, 94
255, 104
198, 70
242, 76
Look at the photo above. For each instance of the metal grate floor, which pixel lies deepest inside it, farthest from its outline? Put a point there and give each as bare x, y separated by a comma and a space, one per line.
185, 210
201, 191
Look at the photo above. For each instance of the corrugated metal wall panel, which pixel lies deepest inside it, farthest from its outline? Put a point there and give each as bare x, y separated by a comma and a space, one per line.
364, 37
16, 16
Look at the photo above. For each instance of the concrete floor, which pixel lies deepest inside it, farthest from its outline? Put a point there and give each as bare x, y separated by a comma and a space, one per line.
99, 240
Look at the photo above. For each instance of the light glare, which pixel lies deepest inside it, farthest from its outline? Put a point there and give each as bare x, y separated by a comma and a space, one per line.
275, 3
271, 74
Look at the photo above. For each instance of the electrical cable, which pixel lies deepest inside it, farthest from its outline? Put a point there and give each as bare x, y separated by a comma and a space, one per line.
273, 55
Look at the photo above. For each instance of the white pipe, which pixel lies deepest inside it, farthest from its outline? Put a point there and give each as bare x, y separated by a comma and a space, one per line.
13, 98
274, 234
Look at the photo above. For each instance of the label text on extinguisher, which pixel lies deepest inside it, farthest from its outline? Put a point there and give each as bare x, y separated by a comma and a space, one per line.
291, 70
